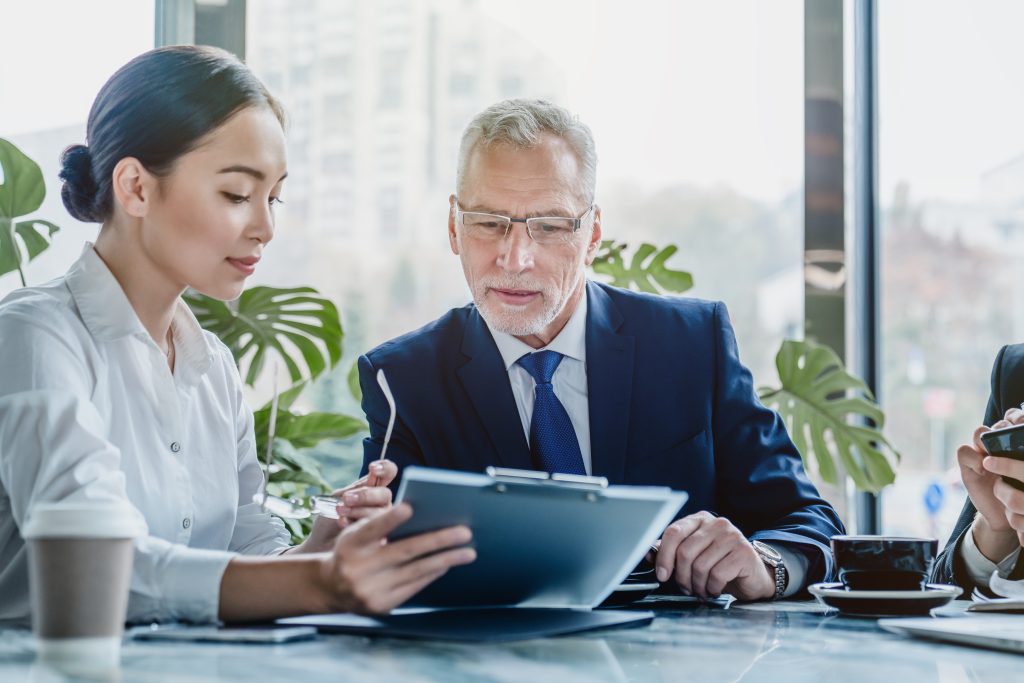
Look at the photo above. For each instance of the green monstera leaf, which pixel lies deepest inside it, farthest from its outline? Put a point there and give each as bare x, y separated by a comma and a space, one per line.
817, 399
21, 193
646, 272
296, 323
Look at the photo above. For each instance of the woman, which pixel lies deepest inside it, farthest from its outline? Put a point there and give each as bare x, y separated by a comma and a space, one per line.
990, 532
110, 390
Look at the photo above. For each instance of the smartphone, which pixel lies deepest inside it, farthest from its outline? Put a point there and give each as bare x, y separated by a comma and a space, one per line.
224, 634
1006, 443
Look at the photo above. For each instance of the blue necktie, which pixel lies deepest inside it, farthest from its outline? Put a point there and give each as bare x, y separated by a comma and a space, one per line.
553, 442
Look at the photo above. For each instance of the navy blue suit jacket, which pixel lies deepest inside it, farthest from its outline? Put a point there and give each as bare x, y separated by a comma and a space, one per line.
670, 405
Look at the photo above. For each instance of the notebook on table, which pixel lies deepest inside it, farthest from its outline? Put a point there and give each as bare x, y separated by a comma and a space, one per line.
1002, 632
487, 624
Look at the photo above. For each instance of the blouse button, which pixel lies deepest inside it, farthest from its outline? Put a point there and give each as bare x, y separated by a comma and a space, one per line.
186, 523
175, 447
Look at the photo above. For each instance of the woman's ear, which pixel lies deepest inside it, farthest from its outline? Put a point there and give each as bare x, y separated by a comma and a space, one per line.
134, 187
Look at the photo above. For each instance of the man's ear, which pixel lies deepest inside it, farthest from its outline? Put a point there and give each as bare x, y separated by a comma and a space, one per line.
452, 238
134, 187
595, 237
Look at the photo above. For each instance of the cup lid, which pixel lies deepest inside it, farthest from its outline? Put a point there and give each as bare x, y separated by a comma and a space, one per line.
83, 519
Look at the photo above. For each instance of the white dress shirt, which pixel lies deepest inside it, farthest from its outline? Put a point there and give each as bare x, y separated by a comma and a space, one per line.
569, 381
570, 386
89, 410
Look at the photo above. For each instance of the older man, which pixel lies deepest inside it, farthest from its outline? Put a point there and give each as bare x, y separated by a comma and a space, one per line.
546, 370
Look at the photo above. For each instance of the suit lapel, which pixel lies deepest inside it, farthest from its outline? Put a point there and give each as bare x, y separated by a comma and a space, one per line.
486, 382
609, 385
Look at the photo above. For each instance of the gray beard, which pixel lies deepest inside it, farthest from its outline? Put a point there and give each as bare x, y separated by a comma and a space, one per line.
519, 327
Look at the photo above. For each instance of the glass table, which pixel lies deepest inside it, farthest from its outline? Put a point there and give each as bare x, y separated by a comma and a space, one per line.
786, 641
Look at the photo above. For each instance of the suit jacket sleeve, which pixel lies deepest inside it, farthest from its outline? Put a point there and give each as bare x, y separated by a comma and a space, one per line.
402, 448
762, 486
949, 566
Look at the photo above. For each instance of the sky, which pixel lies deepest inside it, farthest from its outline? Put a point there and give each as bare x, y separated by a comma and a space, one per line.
717, 98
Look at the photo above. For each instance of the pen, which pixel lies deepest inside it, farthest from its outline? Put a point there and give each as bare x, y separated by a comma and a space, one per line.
389, 397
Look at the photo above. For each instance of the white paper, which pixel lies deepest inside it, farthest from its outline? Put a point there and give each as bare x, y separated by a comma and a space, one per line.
1005, 587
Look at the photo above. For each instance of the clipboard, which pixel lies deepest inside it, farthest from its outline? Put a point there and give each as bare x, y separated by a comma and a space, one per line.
545, 541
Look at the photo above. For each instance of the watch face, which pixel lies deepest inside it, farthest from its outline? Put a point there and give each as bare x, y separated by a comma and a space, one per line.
767, 552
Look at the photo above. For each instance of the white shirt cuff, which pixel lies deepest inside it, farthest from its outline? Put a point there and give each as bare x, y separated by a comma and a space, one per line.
183, 583
979, 567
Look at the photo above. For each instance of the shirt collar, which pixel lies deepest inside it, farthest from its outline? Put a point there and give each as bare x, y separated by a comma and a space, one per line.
109, 315
570, 342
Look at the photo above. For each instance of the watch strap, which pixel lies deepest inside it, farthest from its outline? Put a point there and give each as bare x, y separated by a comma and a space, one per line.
771, 557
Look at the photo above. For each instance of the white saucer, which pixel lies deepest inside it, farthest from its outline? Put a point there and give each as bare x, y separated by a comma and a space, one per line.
884, 603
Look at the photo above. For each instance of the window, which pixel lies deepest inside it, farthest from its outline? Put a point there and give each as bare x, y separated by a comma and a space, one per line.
951, 189
53, 70
696, 108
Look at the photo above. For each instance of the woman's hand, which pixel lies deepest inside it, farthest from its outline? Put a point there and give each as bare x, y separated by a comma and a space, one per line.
361, 573
993, 529
368, 496
366, 574
365, 497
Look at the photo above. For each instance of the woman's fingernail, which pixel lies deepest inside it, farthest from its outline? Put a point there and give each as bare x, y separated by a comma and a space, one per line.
351, 498
378, 468
662, 574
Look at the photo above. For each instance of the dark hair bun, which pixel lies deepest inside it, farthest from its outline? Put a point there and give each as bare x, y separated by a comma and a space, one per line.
79, 190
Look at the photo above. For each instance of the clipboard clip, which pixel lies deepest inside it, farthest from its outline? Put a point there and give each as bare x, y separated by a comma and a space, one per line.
535, 476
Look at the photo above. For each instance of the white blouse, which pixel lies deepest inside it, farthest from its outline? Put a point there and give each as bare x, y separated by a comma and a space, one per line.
89, 410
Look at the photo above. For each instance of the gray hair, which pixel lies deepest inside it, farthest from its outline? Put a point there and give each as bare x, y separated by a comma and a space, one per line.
520, 123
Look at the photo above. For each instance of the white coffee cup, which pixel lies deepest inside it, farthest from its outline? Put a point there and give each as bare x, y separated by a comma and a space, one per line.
80, 566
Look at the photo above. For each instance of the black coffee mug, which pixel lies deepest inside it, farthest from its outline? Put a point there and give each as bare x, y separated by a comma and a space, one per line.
884, 562
1006, 443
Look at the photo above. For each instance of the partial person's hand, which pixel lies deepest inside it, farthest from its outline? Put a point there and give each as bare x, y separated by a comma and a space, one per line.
365, 497
992, 532
366, 574
1012, 498
707, 556
1008, 498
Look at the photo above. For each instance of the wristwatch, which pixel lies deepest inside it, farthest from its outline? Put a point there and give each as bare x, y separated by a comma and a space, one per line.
771, 557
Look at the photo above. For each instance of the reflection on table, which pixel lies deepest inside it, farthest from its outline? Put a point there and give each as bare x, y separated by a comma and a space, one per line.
787, 641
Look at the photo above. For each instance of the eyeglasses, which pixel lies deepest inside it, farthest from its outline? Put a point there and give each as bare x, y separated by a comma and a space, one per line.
325, 506
544, 230
293, 508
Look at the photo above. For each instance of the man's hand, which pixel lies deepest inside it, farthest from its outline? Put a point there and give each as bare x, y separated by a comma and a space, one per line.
708, 556
365, 497
367, 575
993, 533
